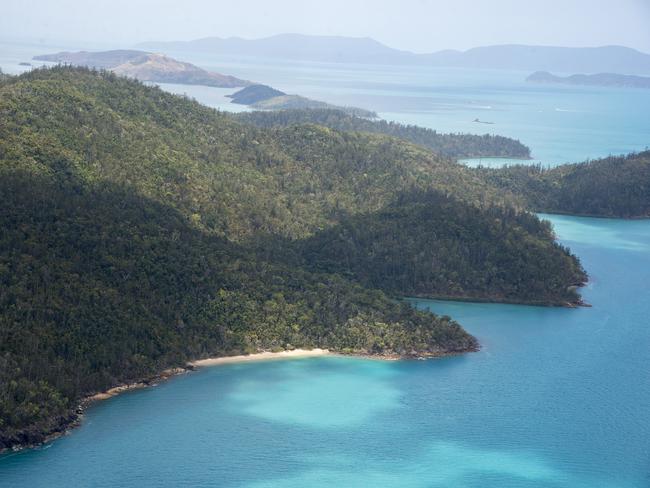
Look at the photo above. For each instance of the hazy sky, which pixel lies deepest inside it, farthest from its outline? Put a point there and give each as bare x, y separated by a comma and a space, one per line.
417, 25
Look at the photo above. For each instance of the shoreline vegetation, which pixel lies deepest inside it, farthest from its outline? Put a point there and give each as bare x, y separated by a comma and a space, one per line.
579, 302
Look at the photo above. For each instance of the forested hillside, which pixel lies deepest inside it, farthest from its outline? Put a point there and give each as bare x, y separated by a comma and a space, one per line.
616, 186
101, 286
450, 145
428, 244
141, 229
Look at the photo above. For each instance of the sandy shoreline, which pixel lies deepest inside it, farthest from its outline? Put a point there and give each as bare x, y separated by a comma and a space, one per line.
262, 356
67, 425
168, 373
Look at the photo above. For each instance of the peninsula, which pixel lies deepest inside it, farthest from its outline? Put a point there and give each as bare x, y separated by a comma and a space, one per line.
263, 97
146, 66
599, 79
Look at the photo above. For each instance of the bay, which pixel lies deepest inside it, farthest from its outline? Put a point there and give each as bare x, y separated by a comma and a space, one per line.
555, 398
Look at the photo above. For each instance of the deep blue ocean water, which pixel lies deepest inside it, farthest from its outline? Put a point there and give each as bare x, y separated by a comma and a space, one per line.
555, 398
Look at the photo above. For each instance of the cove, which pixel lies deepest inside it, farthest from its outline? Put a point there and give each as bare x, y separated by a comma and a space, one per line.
555, 398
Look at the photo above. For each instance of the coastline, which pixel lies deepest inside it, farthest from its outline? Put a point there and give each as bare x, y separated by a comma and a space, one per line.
261, 356
67, 424
198, 363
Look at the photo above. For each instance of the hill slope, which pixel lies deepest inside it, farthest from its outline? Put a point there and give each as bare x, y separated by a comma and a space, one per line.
141, 229
146, 66
452, 145
617, 186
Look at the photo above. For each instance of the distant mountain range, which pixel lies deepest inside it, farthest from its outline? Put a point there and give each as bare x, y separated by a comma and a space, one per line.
599, 79
333, 49
146, 66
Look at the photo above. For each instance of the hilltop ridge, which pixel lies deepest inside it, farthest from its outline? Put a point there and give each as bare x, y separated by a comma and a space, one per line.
146, 66
338, 49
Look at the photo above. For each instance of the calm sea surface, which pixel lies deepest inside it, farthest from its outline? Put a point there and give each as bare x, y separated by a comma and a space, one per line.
556, 397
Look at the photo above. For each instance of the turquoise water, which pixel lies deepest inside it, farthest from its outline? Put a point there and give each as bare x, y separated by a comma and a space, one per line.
556, 398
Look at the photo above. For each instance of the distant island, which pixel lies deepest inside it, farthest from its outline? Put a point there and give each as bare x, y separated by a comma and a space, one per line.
254, 94
599, 79
146, 66
159, 68
358, 50
263, 97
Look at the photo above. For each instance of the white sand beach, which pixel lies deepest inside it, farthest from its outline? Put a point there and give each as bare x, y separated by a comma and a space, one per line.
262, 356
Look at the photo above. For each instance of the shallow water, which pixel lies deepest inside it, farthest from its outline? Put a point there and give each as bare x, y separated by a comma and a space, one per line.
555, 398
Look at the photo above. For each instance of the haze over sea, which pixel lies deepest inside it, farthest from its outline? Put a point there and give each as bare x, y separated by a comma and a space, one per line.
559, 123
555, 398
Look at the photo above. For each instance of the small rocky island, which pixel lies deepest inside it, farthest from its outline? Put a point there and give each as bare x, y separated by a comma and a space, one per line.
146, 66
263, 97
599, 79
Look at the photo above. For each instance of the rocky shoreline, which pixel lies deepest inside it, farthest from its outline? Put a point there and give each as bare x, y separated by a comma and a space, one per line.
64, 424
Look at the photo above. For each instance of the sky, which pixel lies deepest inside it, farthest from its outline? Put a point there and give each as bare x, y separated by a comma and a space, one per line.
415, 25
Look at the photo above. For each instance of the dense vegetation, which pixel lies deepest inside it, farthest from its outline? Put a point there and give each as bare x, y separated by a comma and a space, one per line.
428, 244
141, 229
616, 186
450, 145
101, 286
